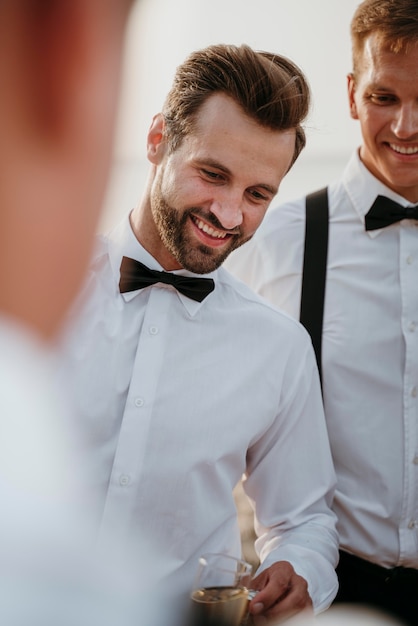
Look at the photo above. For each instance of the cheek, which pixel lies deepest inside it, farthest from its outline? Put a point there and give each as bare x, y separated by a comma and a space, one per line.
182, 191
171, 192
371, 124
252, 220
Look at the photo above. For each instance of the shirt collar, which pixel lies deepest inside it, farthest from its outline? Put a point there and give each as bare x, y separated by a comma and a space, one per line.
363, 188
122, 242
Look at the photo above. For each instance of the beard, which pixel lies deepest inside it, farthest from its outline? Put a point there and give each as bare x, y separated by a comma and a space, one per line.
172, 227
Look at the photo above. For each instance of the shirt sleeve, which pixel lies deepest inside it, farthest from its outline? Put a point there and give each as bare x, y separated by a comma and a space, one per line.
290, 481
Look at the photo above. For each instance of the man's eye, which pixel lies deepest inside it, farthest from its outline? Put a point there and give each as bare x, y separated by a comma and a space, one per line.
257, 195
212, 175
379, 98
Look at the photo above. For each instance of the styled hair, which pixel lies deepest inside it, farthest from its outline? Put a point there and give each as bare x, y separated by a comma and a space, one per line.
270, 88
395, 23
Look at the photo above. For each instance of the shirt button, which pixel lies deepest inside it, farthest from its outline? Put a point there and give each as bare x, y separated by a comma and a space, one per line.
409, 259
153, 330
124, 480
415, 461
412, 524
414, 392
412, 326
139, 402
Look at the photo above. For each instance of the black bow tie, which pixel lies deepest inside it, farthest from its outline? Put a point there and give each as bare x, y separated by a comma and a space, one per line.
135, 275
385, 212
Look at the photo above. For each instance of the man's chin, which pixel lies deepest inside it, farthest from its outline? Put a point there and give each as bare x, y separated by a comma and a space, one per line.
205, 261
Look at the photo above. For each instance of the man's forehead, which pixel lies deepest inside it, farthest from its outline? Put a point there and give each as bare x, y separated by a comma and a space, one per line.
377, 45
220, 113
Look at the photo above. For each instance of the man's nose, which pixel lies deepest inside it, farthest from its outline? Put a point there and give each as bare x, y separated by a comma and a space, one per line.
405, 124
228, 211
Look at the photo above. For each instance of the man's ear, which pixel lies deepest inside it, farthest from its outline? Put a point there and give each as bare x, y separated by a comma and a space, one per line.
156, 142
351, 90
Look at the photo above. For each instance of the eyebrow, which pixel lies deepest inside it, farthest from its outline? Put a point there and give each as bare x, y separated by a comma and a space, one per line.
212, 163
379, 87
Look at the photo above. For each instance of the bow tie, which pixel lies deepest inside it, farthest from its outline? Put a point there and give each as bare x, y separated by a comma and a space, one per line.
135, 275
385, 212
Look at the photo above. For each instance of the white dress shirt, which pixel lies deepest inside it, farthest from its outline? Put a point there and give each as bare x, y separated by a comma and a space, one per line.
369, 356
178, 399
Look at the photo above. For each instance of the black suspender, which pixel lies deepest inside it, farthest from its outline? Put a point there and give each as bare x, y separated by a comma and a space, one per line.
314, 268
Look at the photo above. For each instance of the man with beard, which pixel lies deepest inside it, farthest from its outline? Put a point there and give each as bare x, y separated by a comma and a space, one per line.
184, 378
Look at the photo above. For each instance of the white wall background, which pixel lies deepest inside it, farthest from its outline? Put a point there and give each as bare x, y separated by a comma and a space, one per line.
313, 33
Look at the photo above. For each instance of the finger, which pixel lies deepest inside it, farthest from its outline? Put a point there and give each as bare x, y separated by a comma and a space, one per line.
279, 599
271, 587
294, 602
268, 597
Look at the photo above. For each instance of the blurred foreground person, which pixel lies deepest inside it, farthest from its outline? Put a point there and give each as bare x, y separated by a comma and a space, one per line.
60, 63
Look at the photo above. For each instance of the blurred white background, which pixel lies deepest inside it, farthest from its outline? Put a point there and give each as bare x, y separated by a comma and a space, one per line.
313, 33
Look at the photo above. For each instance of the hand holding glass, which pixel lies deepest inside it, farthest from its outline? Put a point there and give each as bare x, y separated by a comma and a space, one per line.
220, 592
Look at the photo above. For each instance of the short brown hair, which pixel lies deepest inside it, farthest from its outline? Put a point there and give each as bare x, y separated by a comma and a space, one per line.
269, 87
394, 21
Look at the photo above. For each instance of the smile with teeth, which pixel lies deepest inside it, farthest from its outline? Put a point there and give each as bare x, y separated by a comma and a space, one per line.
209, 230
404, 149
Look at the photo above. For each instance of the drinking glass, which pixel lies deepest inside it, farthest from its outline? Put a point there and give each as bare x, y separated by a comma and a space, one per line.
220, 594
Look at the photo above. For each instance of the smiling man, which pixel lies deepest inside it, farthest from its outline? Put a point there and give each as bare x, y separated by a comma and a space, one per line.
383, 95
184, 378
369, 339
205, 199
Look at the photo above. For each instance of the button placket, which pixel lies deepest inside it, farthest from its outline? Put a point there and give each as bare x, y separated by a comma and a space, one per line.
137, 416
